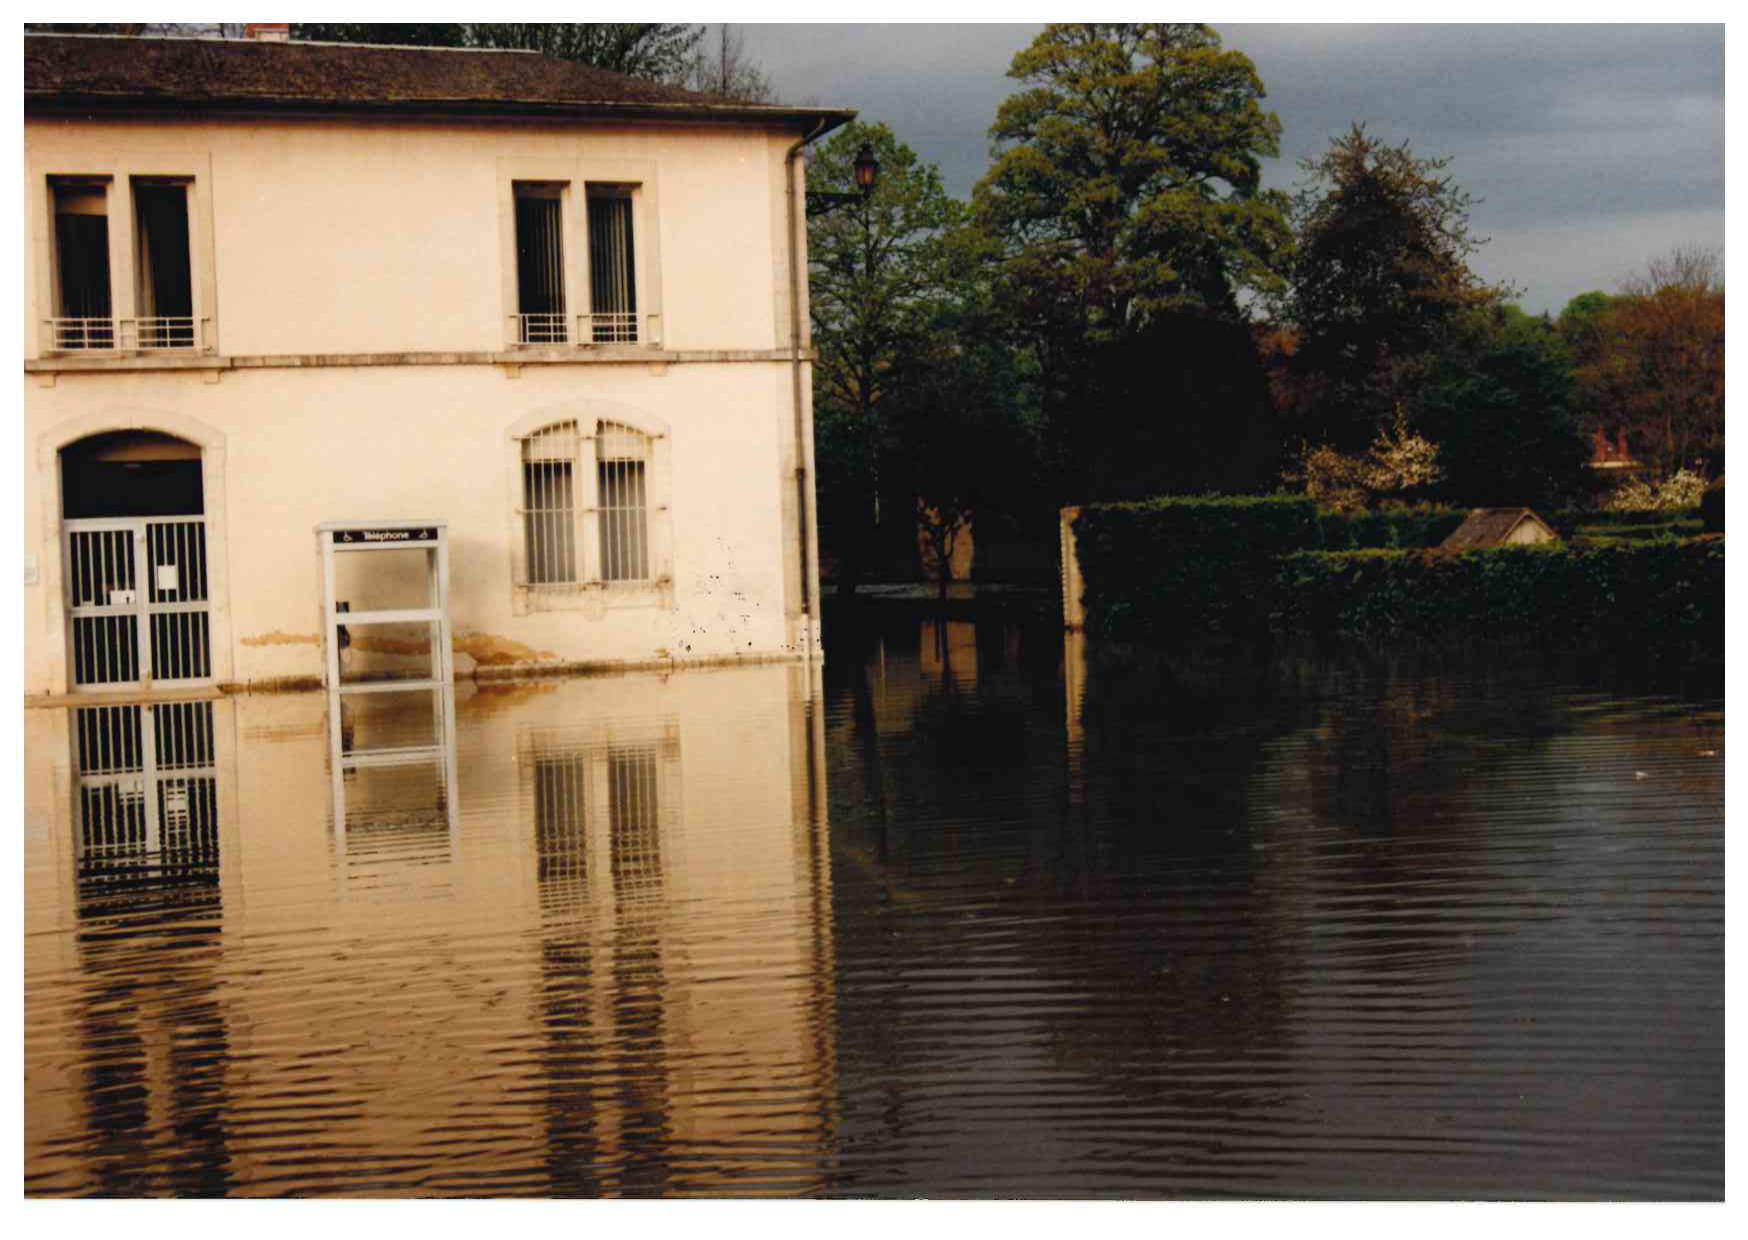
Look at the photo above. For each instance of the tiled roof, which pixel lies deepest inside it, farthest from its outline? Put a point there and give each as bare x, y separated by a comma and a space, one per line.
1488, 527
89, 73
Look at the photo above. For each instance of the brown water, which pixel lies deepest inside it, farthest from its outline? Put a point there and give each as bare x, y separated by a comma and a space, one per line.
966, 919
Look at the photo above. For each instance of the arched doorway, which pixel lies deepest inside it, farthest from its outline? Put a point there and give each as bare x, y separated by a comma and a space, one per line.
134, 558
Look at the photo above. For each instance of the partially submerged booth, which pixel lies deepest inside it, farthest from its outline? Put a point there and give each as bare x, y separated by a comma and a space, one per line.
387, 650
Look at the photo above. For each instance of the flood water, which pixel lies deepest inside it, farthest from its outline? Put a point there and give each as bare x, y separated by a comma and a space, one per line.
968, 915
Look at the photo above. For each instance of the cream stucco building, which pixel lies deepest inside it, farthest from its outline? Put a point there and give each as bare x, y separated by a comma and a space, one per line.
270, 285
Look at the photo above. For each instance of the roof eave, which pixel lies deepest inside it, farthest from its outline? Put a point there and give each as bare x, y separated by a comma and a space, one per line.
774, 116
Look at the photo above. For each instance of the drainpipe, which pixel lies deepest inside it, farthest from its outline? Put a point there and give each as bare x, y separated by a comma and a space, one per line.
803, 482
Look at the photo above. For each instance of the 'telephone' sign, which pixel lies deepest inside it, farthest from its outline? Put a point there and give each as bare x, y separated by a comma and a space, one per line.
420, 534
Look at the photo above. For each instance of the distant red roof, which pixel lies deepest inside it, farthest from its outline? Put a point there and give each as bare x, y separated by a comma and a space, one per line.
1606, 455
98, 73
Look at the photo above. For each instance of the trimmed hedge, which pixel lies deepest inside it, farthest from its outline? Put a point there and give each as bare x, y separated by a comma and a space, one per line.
1178, 571
1567, 520
1156, 569
1200, 564
1628, 597
1398, 528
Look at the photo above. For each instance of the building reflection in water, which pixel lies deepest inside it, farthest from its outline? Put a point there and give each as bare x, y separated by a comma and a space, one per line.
602, 966
146, 824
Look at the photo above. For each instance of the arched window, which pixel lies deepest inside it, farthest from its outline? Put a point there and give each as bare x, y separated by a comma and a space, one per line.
549, 508
590, 510
622, 484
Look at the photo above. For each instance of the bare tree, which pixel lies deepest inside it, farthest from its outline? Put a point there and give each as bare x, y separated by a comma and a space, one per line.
721, 68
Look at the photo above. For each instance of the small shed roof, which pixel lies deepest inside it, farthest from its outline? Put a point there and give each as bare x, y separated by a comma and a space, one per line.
1491, 527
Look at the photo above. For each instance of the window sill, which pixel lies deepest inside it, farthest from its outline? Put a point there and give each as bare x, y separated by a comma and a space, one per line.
595, 598
71, 360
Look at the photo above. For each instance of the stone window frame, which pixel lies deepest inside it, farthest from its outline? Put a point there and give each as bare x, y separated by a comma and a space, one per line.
573, 175
120, 171
590, 594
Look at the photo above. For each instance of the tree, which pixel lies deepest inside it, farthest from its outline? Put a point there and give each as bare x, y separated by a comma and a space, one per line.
1498, 402
723, 70
956, 432
1380, 268
879, 278
396, 34
660, 51
1126, 214
1655, 367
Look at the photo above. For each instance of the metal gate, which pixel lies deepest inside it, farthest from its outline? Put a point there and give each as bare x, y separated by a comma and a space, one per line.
137, 602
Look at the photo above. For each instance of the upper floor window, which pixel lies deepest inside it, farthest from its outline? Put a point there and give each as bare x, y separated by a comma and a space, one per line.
93, 299
612, 266
579, 251
83, 312
163, 276
540, 303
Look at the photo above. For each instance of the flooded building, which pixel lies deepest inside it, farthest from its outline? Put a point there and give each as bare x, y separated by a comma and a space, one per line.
274, 284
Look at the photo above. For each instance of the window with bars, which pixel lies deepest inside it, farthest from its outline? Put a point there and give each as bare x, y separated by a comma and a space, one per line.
83, 310
585, 505
612, 266
549, 508
621, 471
540, 303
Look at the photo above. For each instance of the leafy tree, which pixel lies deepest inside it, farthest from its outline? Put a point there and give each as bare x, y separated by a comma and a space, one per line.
661, 51
1380, 269
1655, 363
1498, 402
1125, 214
880, 278
957, 435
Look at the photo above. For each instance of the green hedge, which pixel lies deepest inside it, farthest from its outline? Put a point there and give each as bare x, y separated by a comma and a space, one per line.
1400, 528
1164, 567
1156, 569
1179, 570
1662, 598
1567, 520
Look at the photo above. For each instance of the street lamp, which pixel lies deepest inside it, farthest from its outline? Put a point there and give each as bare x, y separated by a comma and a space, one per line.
866, 169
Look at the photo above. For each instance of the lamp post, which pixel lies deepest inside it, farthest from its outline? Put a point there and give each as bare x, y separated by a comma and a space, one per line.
866, 169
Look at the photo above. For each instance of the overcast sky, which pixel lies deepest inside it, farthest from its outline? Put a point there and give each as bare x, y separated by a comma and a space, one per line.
1593, 148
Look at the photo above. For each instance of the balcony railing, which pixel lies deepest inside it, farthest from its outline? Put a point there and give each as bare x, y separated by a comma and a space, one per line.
183, 333
528, 330
543, 328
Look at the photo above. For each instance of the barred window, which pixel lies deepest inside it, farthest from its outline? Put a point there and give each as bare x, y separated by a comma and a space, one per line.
612, 266
163, 278
540, 309
622, 459
586, 507
549, 512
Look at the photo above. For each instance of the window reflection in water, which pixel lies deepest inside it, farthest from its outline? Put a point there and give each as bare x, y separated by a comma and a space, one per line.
606, 795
